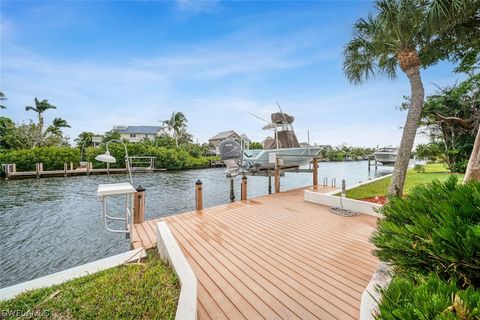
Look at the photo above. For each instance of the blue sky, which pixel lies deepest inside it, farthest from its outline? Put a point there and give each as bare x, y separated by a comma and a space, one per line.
134, 62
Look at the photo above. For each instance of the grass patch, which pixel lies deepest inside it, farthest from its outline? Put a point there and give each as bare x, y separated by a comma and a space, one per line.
435, 171
147, 290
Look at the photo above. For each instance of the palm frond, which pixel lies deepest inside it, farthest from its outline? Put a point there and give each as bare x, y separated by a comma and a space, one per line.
387, 65
60, 123
28, 108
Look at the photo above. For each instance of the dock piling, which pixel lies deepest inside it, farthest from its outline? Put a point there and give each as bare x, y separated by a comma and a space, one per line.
315, 173
65, 169
198, 195
269, 182
139, 205
244, 188
277, 176
232, 192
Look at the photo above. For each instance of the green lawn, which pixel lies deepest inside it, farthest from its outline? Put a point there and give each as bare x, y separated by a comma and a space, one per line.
147, 290
380, 187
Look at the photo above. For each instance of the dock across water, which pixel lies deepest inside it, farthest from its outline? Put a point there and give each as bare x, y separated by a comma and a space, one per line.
273, 257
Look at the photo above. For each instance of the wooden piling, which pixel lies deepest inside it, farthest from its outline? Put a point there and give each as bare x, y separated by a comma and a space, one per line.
65, 168
244, 188
71, 166
139, 205
14, 167
269, 182
315, 173
277, 176
37, 170
232, 192
198, 195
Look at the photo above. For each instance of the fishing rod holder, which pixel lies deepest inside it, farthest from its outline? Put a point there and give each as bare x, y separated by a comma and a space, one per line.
106, 191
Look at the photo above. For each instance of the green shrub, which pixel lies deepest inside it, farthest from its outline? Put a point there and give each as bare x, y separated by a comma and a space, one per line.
429, 298
53, 158
418, 168
435, 229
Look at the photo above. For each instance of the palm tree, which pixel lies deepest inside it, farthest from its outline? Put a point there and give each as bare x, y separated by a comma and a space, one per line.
85, 139
176, 124
56, 127
40, 108
2, 98
404, 33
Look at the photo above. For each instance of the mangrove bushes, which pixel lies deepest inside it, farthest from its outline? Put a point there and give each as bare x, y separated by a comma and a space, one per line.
53, 158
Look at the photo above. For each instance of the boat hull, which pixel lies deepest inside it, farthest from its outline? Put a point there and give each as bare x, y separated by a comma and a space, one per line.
291, 157
385, 157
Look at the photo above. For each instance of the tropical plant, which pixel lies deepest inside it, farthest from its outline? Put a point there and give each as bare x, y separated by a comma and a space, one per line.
84, 139
427, 297
53, 134
435, 229
53, 158
111, 135
255, 145
451, 117
177, 125
2, 98
430, 151
407, 33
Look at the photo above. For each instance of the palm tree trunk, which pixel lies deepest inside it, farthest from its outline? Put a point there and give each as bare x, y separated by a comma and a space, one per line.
409, 131
473, 168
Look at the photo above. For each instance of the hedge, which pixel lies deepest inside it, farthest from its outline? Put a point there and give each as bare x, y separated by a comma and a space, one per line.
429, 298
53, 158
435, 229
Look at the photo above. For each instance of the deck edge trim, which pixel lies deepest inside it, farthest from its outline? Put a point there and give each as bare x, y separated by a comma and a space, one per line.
364, 207
170, 251
371, 296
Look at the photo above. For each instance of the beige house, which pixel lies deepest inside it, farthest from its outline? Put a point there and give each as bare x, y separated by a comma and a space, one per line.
214, 141
138, 133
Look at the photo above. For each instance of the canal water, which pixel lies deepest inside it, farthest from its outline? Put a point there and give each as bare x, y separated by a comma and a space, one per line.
51, 224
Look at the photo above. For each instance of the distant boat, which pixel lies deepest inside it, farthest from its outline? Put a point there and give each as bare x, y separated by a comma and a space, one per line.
386, 155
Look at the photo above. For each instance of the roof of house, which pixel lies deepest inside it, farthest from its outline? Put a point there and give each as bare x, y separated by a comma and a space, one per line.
244, 137
224, 134
138, 129
227, 134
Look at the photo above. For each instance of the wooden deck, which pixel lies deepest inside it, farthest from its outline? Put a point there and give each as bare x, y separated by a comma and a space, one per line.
273, 257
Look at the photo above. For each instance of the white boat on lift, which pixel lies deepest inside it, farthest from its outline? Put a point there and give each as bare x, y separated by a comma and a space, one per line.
283, 146
290, 157
386, 155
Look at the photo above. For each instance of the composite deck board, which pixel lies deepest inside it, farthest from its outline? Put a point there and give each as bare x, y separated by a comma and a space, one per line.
277, 282
280, 267
298, 249
265, 290
273, 257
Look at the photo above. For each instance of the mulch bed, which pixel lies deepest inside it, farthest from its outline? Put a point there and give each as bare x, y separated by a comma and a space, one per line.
377, 199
